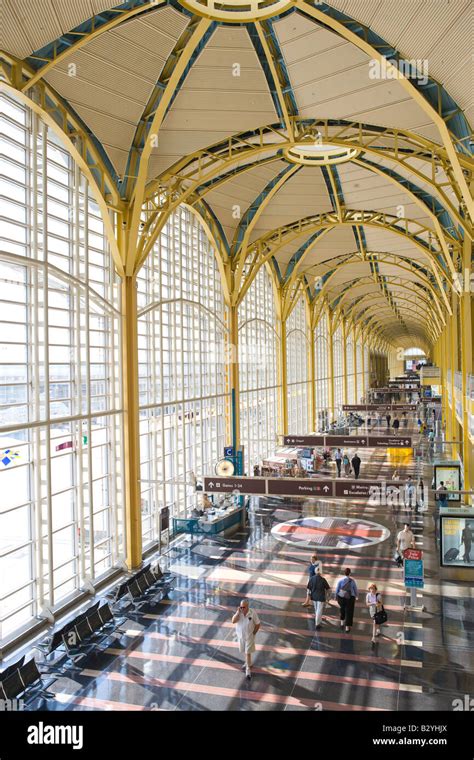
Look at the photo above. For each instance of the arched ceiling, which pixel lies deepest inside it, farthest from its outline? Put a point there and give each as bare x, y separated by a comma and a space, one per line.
177, 108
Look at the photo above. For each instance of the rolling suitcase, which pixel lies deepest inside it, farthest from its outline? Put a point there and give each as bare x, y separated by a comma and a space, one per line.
451, 555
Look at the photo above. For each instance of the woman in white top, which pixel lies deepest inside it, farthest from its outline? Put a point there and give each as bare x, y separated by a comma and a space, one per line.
373, 601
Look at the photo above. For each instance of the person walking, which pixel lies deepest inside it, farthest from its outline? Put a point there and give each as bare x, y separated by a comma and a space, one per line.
373, 602
356, 462
369, 422
410, 492
318, 589
388, 418
420, 496
405, 539
396, 425
247, 625
346, 595
315, 565
338, 458
347, 464
404, 420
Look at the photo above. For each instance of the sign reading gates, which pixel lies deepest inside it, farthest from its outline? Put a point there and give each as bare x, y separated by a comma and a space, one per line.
227, 485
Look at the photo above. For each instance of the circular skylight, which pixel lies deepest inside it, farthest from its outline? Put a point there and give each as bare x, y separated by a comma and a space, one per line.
236, 11
317, 153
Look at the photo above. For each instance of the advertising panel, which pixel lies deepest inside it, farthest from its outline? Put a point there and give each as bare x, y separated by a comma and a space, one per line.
457, 534
450, 475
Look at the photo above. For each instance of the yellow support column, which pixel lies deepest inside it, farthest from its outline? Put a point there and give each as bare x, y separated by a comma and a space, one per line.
354, 363
363, 381
234, 375
311, 369
331, 366
454, 367
133, 514
284, 378
344, 362
466, 365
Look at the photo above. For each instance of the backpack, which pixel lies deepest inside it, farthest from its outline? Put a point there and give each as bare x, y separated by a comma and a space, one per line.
347, 589
381, 616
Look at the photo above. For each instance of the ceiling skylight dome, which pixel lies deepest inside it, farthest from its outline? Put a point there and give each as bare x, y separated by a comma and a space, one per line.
236, 11
312, 151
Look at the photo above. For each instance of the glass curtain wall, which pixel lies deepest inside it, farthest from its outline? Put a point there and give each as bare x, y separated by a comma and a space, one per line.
367, 366
359, 369
338, 364
297, 342
321, 358
259, 346
61, 511
351, 391
182, 345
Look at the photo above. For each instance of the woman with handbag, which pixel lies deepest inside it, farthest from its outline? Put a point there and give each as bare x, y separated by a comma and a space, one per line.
376, 609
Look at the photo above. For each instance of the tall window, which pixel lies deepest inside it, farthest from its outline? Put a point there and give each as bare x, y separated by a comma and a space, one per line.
259, 385
61, 511
367, 366
359, 369
182, 346
337, 349
297, 369
321, 357
351, 391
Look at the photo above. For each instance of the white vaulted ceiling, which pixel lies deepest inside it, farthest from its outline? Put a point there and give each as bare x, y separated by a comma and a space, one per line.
326, 77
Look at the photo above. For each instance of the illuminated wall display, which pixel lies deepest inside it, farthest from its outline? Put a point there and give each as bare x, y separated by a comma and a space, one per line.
457, 536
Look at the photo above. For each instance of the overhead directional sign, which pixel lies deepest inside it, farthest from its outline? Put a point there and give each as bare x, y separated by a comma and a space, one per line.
299, 487
374, 441
227, 485
379, 407
324, 488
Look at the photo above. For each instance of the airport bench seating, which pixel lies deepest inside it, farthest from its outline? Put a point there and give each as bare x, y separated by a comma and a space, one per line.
25, 681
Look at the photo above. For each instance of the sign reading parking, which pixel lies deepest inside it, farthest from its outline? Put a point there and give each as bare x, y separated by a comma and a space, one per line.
300, 487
